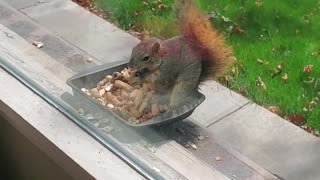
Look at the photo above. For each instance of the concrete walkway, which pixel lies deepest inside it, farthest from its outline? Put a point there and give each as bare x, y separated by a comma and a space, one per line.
263, 137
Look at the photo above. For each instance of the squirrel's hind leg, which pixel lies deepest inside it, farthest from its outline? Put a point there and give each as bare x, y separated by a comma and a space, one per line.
186, 85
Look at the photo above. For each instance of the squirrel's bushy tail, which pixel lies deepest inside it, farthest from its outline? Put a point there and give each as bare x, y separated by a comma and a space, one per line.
196, 27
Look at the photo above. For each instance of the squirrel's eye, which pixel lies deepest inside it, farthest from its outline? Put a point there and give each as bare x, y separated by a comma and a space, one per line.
145, 59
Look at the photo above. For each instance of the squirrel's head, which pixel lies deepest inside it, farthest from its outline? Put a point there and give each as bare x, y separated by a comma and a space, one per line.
145, 56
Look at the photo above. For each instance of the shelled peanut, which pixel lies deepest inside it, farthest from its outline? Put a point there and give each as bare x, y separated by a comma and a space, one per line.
131, 102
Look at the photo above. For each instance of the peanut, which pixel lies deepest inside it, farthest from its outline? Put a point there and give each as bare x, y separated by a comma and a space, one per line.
122, 85
126, 100
117, 75
147, 117
108, 87
95, 92
124, 94
109, 78
102, 92
138, 99
144, 103
134, 93
136, 113
102, 83
123, 113
145, 88
155, 109
113, 99
125, 74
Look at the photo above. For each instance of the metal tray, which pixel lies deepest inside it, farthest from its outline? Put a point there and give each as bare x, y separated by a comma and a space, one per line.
89, 78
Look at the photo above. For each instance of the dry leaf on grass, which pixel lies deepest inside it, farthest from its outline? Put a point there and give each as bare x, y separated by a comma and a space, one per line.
295, 119
285, 77
260, 83
308, 68
315, 53
274, 109
258, 3
260, 61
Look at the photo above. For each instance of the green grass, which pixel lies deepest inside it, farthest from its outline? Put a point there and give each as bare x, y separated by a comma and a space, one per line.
277, 32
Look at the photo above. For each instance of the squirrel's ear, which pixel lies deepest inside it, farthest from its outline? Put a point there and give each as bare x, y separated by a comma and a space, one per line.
155, 47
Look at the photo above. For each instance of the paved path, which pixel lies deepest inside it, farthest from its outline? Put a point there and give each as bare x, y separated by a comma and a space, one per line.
265, 138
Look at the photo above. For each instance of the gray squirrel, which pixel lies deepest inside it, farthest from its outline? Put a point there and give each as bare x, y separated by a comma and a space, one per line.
181, 63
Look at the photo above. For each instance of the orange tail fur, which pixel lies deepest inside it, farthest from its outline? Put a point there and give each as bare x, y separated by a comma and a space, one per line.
196, 27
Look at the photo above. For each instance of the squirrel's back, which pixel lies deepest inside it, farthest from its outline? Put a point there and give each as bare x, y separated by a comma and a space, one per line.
217, 57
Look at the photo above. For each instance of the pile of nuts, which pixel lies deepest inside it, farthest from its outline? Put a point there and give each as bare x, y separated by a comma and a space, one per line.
134, 103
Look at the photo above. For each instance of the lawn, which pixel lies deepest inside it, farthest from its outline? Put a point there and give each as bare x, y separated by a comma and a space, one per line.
276, 44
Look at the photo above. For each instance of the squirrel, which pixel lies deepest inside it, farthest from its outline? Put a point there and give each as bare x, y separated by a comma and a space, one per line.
181, 63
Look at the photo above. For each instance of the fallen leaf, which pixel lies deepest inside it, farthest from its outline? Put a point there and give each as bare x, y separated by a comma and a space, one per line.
238, 30
235, 71
259, 61
307, 128
309, 15
315, 53
280, 66
285, 77
162, 6
137, 12
308, 105
89, 60
241, 66
242, 90
89, 5
295, 119
276, 71
274, 109
308, 68
145, 3
218, 158
38, 44
315, 132
227, 80
8, 35
310, 80
225, 19
260, 83
193, 146
258, 3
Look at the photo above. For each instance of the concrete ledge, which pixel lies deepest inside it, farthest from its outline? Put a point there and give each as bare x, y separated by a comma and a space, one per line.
267, 139
277, 145
220, 102
83, 29
18, 4
66, 136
